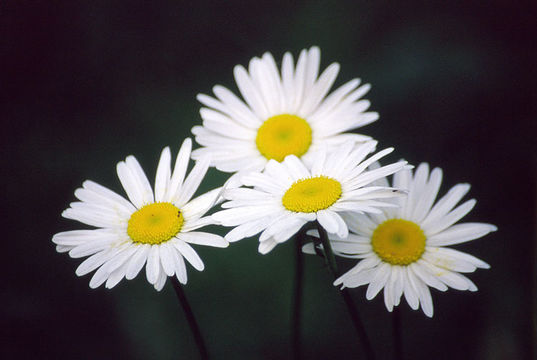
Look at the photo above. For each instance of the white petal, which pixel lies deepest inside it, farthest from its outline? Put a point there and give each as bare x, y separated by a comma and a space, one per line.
94, 261
100, 276
193, 181
382, 274
141, 179
203, 238
152, 268
179, 170
329, 221
137, 261
416, 188
434, 227
427, 195
159, 285
426, 276
180, 269
189, 253
162, 178
266, 246
409, 291
130, 185
198, 206
446, 203
167, 253
108, 196
460, 233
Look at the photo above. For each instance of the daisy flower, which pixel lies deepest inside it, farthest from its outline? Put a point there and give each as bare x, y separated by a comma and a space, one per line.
152, 229
287, 195
287, 113
403, 250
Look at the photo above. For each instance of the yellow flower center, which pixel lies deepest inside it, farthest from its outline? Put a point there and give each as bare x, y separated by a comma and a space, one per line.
398, 241
155, 223
283, 135
311, 195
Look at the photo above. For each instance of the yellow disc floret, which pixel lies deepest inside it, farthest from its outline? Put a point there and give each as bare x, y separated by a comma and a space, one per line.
283, 135
155, 223
312, 194
398, 241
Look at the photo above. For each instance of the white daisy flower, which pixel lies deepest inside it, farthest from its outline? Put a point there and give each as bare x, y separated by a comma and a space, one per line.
287, 195
152, 229
284, 114
404, 249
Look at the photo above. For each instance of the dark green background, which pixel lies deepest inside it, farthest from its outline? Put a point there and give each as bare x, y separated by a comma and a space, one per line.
84, 84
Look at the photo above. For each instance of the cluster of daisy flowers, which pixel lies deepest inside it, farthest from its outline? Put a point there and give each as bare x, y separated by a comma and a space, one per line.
296, 171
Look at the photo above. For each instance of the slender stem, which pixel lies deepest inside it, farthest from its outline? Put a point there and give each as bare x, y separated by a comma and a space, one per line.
360, 329
351, 308
328, 253
297, 298
190, 318
396, 331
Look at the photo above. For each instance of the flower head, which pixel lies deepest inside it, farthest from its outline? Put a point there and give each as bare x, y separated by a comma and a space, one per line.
403, 250
287, 113
152, 229
287, 195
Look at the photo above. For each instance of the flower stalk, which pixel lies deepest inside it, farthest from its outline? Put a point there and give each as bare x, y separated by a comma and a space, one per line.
351, 308
198, 338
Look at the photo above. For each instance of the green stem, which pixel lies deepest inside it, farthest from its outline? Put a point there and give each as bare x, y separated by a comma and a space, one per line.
327, 248
351, 308
190, 318
297, 298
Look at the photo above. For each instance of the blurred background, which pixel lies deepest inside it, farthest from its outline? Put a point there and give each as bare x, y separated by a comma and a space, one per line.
83, 84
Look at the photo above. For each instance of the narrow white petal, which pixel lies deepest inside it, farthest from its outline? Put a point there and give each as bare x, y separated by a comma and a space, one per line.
379, 280
162, 178
116, 276
328, 221
296, 167
266, 246
137, 261
353, 280
237, 216
446, 203
92, 247
198, 206
179, 170
130, 185
427, 196
94, 261
100, 276
193, 181
167, 253
409, 291
460, 233
110, 197
416, 188
139, 176
203, 238
159, 285
152, 268
79, 237
427, 277
434, 227
189, 253
180, 269
249, 92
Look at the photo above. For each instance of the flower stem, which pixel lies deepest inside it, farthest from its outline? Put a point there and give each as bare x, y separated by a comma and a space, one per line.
396, 332
297, 297
351, 308
190, 318
327, 248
